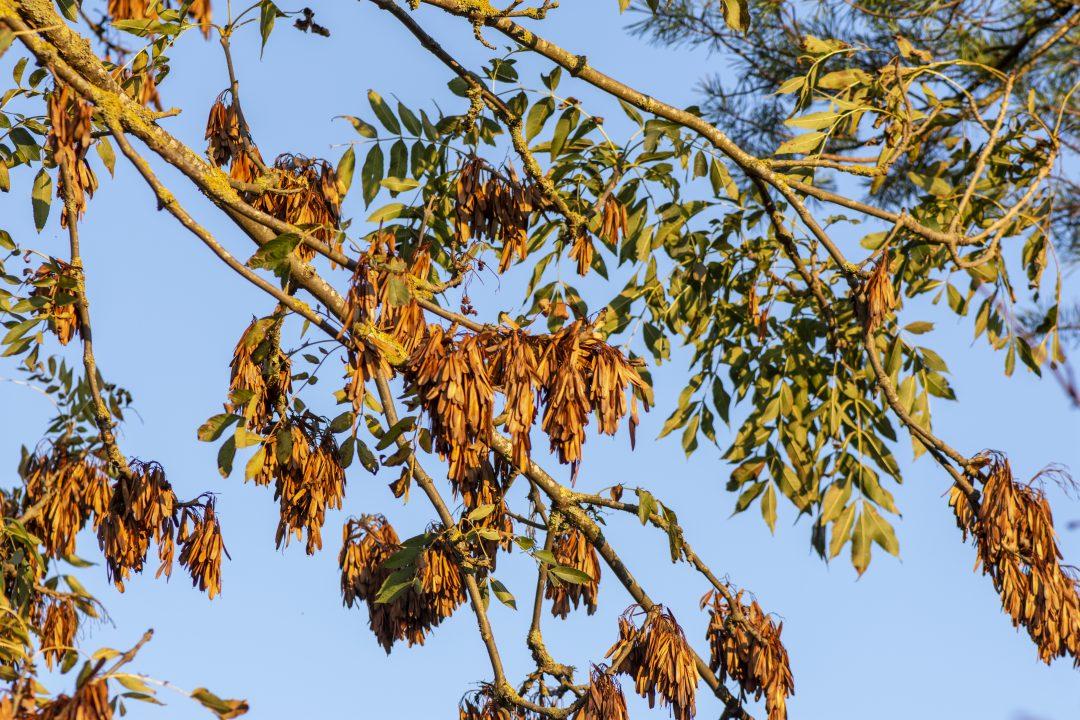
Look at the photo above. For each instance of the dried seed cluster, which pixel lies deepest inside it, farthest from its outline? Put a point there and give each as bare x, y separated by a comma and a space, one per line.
90, 702
876, 297
453, 386
307, 196
303, 462
481, 704
494, 207
433, 595
201, 548
72, 486
229, 140
55, 282
658, 658
58, 630
1014, 535
261, 374
758, 664
573, 373
69, 140
604, 700
571, 549
142, 509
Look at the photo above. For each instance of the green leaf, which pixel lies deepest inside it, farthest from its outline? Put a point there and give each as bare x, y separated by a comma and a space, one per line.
105, 152
748, 496
363, 128
255, 463
69, 9
224, 709
569, 574
841, 531
383, 112
366, 457
386, 212
403, 425
226, 455
646, 505
41, 197
538, 115
882, 532
371, 174
275, 253
800, 143
860, 543
211, 430
398, 582
396, 184
815, 120
481, 512
268, 13
836, 496
736, 14
345, 167
342, 422
504, 595
768, 507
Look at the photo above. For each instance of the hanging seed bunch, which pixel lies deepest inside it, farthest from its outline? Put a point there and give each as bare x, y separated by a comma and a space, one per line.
260, 374
759, 665
582, 251
658, 658
55, 282
515, 371
410, 614
494, 208
1014, 535
73, 486
613, 223
367, 543
573, 550
311, 199
439, 577
392, 330
58, 630
482, 491
452, 385
583, 374
604, 699
226, 133
404, 322
307, 484
230, 143
142, 510
69, 140
90, 702
480, 704
201, 548
876, 298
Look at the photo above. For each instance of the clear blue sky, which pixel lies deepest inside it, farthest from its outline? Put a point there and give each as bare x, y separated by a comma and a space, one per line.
920, 637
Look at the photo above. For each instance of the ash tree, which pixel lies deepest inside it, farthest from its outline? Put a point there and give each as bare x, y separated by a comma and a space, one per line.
867, 161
